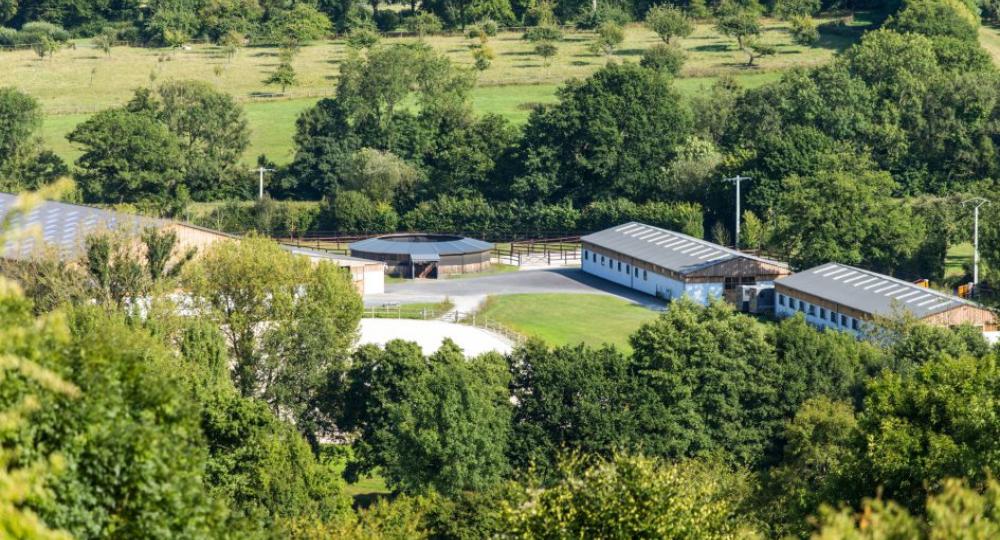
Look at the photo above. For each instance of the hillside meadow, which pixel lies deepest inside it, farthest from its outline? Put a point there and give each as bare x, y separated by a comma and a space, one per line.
80, 80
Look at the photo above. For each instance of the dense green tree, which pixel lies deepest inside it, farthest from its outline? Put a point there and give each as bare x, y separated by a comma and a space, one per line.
298, 24
635, 497
869, 229
664, 58
210, 128
571, 399
937, 18
610, 135
668, 22
129, 158
24, 163
439, 422
738, 22
789, 9
288, 322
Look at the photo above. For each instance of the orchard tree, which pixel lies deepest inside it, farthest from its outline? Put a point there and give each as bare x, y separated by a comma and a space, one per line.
609, 36
738, 22
24, 163
668, 59
283, 76
668, 22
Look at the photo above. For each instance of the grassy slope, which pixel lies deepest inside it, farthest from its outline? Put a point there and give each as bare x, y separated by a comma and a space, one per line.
79, 81
562, 319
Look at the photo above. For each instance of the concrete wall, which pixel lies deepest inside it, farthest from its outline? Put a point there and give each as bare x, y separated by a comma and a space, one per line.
648, 282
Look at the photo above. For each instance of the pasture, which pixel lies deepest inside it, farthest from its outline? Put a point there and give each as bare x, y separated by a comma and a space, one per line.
564, 319
80, 80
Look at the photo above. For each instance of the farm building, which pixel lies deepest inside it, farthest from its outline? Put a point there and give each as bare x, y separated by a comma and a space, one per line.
671, 265
421, 255
846, 298
63, 228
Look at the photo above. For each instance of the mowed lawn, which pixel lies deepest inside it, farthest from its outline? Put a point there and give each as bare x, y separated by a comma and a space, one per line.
81, 80
568, 319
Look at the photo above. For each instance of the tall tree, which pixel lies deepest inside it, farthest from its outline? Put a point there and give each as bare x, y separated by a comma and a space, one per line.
24, 163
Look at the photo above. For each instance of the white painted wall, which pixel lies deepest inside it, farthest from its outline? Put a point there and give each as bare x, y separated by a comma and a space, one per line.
374, 281
651, 283
814, 318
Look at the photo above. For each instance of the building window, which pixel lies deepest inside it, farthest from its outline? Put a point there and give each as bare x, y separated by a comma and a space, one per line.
602, 260
854, 324
645, 275
822, 313
627, 269
833, 317
781, 299
791, 303
585, 256
619, 266
812, 310
843, 321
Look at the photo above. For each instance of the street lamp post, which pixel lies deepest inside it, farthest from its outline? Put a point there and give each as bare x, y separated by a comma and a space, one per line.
736, 180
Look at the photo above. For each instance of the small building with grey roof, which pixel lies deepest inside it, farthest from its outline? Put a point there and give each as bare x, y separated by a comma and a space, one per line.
672, 265
842, 297
61, 229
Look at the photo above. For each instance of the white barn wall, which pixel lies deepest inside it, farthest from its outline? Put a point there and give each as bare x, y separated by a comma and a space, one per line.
654, 284
784, 311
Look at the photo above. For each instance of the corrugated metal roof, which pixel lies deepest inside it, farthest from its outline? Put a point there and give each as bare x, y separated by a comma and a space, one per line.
64, 226
871, 292
387, 245
672, 250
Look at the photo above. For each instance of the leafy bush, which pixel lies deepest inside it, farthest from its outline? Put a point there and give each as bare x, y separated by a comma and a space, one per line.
8, 37
682, 217
664, 58
540, 34
387, 21
605, 13
49, 30
423, 23
354, 212
490, 27
804, 30
266, 216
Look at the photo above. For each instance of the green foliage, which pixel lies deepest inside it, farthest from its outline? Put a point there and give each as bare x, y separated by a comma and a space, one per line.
668, 59
382, 176
571, 398
804, 30
129, 158
668, 22
265, 216
957, 511
795, 9
283, 76
738, 22
423, 23
355, 212
869, 229
360, 38
546, 50
932, 18
756, 49
299, 24
543, 33
635, 497
437, 422
609, 36
24, 164
289, 322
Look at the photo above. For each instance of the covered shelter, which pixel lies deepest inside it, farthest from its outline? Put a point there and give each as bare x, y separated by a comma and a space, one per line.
422, 255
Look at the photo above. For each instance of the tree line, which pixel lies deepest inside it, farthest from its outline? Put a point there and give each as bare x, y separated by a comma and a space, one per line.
218, 420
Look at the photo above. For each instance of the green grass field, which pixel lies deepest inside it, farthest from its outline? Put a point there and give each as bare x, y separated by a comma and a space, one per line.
564, 319
79, 81
958, 255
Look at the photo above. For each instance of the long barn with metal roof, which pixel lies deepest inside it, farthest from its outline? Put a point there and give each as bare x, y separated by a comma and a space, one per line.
670, 264
843, 297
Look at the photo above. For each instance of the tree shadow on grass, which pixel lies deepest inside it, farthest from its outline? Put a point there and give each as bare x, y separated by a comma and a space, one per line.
518, 53
629, 52
714, 47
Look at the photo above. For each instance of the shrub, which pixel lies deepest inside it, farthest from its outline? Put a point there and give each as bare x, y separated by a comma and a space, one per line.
605, 13
8, 37
49, 30
423, 23
490, 27
664, 58
354, 212
539, 34
804, 30
362, 38
682, 217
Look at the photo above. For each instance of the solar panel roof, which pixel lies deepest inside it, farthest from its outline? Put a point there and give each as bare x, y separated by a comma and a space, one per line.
63, 226
671, 250
870, 292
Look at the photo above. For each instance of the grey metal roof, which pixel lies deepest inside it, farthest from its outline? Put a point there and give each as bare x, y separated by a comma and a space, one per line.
671, 250
63, 226
320, 254
384, 244
871, 292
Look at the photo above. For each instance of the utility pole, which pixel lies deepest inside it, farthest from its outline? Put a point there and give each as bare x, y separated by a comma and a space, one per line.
736, 180
976, 202
261, 170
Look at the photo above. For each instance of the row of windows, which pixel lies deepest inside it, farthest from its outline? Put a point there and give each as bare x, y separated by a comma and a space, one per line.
822, 313
611, 264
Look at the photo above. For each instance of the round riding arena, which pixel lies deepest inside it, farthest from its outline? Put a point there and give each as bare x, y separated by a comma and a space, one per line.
421, 255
